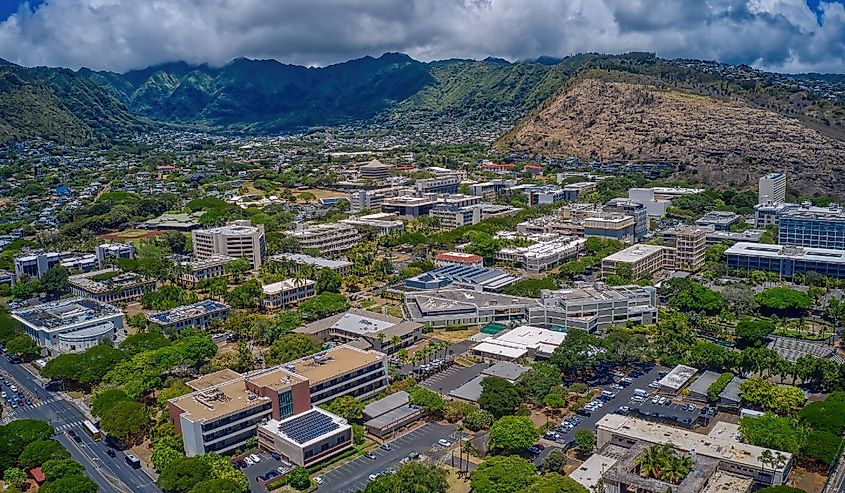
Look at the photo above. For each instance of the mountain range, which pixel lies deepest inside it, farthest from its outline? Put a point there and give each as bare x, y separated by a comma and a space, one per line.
629, 106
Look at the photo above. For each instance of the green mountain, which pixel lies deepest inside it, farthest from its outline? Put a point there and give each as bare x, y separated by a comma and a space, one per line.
59, 105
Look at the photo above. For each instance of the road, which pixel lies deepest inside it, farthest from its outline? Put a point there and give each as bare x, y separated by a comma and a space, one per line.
354, 475
111, 474
623, 397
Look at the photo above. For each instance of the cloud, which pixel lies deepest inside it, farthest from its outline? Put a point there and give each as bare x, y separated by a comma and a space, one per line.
129, 34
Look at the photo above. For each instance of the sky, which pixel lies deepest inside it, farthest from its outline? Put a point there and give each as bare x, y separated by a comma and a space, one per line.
121, 35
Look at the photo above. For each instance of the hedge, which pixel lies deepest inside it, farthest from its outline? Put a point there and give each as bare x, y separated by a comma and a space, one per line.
718, 386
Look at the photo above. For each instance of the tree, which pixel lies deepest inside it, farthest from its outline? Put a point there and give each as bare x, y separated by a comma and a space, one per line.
290, 347
55, 469
145, 341
697, 298
782, 400
752, 332
244, 295
217, 486
107, 399
513, 433
579, 351
40, 451
535, 384
54, 281
718, 386
585, 440
299, 479
24, 347
661, 462
347, 407
827, 415
498, 396
555, 461
784, 300
478, 419
172, 392
457, 410
164, 455
30, 430
431, 401
322, 306
555, 400
555, 483
183, 474
125, 419
739, 299
12, 447
503, 474
13, 476
329, 281
822, 447
773, 432
86, 368
76, 483
624, 272
415, 477
238, 267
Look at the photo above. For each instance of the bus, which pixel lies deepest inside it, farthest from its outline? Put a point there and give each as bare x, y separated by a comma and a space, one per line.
133, 461
92, 430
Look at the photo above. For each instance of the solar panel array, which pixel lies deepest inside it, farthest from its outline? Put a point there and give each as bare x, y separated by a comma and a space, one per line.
308, 426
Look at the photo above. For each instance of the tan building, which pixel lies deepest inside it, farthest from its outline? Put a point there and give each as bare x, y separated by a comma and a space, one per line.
327, 238
646, 261
287, 293
691, 247
238, 239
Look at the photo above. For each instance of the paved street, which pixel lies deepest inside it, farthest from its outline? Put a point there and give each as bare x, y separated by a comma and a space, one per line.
111, 474
354, 475
623, 398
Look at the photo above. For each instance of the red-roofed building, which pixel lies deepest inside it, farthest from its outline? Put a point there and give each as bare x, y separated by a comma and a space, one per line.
37, 474
498, 167
457, 258
533, 169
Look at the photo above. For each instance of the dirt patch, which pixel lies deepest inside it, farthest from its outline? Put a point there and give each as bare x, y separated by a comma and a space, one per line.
809, 481
452, 336
130, 235
144, 452
457, 484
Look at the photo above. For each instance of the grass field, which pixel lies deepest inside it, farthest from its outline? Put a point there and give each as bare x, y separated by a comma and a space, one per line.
130, 235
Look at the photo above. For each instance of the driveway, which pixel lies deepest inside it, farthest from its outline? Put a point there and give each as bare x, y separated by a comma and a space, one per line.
354, 475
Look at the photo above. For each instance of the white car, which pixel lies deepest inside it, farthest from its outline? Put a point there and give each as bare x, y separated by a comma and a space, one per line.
3, 394
249, 461
655, 399
373, 477
13, 388
444, 443
318, 480
255, 458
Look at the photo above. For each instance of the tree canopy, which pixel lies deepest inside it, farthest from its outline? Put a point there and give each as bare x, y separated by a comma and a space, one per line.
513, 433
411, 478
499, 396
290, 347
503, 474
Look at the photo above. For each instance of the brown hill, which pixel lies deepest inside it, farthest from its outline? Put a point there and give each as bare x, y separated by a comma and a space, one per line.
608, 116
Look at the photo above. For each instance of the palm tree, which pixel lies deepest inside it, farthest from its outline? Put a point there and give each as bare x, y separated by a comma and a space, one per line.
395, 341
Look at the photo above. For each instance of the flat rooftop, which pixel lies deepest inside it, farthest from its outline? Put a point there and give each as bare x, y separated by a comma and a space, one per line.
634, 253
218, 400
590, 471
65, 312
187, 312
361, 322
678, 377
103, 281
308, 427
717, 447
212, 379
326, 365
300, 258
807, 254
286, 285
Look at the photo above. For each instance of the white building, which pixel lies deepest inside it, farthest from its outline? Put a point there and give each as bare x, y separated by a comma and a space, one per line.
458, 258
327, 238
342, 267
523, 342
381, 223
108, 251
440, 184
772, 188
287, 293
236, 239
542, 255
71, 325
110, 286
195, 271
307, 438
198, 315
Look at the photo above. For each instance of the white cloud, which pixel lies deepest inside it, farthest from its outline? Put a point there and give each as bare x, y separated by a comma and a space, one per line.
128, 34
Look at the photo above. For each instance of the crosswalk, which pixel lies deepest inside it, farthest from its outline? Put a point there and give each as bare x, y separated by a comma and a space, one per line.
67, 426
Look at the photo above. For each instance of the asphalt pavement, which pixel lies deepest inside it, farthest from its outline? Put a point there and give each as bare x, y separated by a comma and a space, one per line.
453, 377
111, 474
354, 475
622, 398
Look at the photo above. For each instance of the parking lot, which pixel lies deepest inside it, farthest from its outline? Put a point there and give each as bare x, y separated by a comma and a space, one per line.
354, 475
622, 397
266, 464
453, 377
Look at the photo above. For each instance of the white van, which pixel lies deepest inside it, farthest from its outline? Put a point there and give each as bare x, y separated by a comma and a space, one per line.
640, 392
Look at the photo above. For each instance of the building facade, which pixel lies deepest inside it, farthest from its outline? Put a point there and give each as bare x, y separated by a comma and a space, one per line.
440, 184
109, 251
772, 188
194, 271
71, 325
787, 261
814, 227
287, 293
110, 286
239, 239
328, 238
197, 315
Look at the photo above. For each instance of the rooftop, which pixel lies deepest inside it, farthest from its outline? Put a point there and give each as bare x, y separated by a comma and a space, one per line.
110, 280
300, 258
709, 446
386, 404
634, 253
590, 471
286, 285
326, 365
678, 377
234, 228
308, 427
792, 252
65, 312
704, 382
459, 257
361, 322
187, 312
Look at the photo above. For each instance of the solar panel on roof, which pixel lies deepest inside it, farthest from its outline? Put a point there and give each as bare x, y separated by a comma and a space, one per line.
308, 426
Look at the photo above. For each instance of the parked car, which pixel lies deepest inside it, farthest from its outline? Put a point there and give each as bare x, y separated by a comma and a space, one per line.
370, 456
255, 458
444, 443
534, 450
249, 461
385, 446
318, 480
275, 455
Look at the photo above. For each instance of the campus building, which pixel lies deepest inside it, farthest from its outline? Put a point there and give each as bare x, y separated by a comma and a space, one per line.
521, 343
374, 170
772, 188
194, 271
227, 408
110, 286
327, 238
786, 260
589, 307
238, 239
719, 220
35, 264
634, 209
611, 225
478, 278
360, 200
645, 261
409, 206
70, 325
814, 227
198, 315
109, 251
379, 223
542, 255
302, 262
458, 258
440, 184
391, 413
733, 456
365, 329
287, 293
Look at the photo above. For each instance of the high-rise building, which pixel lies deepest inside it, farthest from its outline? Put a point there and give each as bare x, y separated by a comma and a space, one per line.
772, 188
815, 227
327, 238
236, 239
